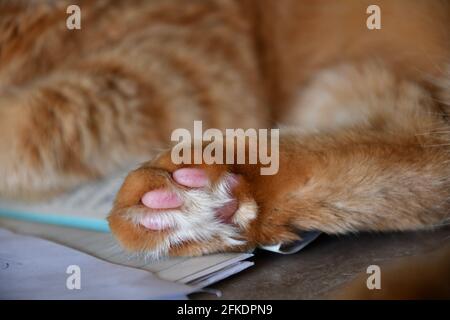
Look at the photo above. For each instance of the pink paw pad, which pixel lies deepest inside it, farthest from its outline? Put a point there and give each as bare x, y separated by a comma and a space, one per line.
161, 199
191, 177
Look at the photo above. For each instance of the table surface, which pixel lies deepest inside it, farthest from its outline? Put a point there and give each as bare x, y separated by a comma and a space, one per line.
324, 265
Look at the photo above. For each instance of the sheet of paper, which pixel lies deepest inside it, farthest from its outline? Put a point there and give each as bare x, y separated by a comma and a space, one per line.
222, 274
32, 268
102, 245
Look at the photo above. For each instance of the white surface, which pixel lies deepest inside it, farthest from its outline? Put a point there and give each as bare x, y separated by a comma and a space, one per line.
32, 268
103, 245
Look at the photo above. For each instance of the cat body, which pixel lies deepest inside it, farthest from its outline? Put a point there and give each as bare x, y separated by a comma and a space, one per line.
363, 114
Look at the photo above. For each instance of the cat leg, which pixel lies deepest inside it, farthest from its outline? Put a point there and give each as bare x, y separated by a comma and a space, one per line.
348, 182
389, 172
74, 126
384, 144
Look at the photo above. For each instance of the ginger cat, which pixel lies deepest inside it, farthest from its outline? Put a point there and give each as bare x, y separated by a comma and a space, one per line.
363, 113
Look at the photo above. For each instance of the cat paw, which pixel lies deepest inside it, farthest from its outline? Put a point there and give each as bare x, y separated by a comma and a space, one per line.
167, 210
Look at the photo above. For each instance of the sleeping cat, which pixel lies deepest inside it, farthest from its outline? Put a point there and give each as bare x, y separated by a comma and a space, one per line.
363, 114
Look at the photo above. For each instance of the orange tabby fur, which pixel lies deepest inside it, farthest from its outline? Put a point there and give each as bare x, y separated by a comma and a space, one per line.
367, 142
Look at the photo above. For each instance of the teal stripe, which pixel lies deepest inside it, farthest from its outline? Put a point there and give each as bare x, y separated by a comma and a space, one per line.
66, 221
